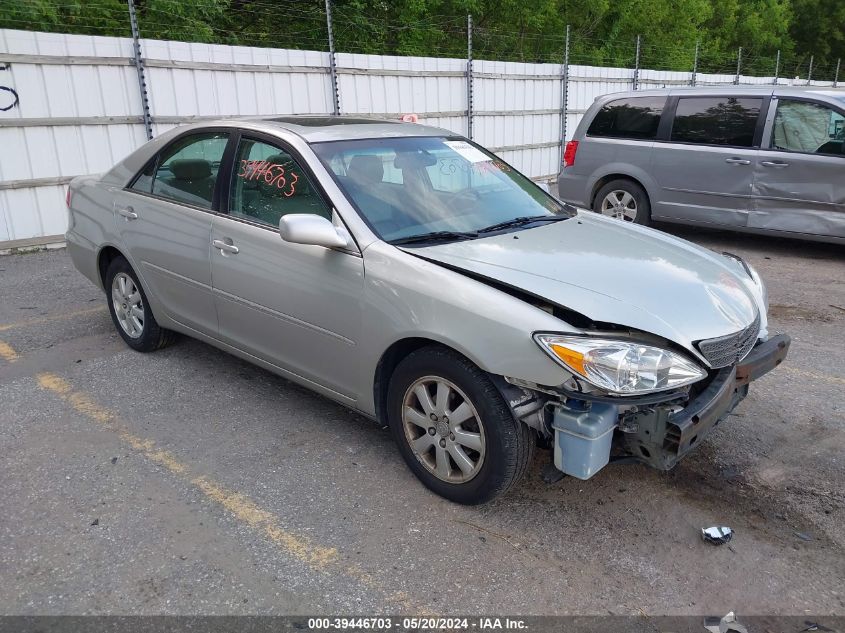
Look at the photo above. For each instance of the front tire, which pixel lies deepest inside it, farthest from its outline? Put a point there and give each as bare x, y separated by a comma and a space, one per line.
625, 200
130, 311
454, 429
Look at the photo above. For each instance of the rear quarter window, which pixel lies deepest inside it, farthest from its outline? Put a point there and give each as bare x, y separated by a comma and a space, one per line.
634, 117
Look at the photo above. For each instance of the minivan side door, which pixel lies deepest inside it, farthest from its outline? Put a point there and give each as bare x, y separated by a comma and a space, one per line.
800, 178
164, 220
296, 306
704, 168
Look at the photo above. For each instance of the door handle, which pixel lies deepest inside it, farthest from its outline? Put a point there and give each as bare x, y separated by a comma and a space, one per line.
738, 161
225, 246
774, 163
128, 213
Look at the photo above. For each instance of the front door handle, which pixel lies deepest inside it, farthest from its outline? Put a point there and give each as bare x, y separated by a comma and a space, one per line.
774, 163
128, 213
225, 246
738, 161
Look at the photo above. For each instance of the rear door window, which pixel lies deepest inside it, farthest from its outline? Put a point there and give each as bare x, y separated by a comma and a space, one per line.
716, 120
635, 117
186, 171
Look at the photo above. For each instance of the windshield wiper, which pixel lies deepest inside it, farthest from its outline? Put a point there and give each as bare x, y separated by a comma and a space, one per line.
521, 221
434, 236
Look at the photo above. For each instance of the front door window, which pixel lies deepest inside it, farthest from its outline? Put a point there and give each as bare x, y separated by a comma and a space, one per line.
812, 128
268, 183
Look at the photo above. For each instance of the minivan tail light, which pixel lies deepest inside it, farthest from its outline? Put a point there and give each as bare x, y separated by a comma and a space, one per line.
569, 153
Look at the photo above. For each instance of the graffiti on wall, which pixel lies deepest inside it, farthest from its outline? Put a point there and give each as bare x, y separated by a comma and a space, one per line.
8, 96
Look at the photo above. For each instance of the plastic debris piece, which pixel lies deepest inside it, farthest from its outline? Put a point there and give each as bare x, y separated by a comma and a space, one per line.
815, 626
717, 535
804, 536
727, 624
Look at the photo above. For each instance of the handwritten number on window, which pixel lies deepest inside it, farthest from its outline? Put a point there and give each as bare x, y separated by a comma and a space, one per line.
271, 174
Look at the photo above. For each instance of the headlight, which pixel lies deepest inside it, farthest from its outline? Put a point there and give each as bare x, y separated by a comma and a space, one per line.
621, 367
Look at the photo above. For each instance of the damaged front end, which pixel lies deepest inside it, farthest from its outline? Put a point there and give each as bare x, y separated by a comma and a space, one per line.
588, 429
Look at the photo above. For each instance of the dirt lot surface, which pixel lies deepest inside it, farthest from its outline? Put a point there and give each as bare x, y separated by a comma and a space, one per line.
187, 481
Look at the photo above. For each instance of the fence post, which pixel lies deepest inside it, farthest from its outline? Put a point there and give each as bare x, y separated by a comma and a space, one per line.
810, 71
777, 67
694, 65
637, 65
332, 60
836, 75
564, 95
469, 76
139, 66
738, 65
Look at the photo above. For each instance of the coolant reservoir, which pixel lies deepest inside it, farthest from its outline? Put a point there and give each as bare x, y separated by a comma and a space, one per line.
583, 438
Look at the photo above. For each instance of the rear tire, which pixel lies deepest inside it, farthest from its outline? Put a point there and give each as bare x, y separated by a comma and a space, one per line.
130, 311
623, 199
471, 458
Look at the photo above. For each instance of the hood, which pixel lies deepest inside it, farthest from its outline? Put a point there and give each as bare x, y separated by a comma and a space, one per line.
616, 273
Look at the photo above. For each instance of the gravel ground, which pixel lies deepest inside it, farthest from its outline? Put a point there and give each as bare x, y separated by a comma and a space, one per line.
189, 482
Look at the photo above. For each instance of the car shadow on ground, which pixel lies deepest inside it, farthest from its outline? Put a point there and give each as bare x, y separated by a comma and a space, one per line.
769, 245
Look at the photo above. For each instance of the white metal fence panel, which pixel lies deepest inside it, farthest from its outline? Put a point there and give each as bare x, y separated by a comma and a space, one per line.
37, 159
388, 85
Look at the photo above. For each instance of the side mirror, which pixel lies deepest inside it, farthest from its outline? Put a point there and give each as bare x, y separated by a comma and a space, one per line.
315, 230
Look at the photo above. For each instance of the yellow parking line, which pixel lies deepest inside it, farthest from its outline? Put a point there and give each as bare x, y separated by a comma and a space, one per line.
7, 353
49, 319
318, 557
814, 375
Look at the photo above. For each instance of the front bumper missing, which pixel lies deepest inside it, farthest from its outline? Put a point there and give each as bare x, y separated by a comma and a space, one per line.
660, 436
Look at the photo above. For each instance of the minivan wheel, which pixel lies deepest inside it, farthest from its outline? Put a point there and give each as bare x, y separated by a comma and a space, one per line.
130, 311
453, 428
623, 200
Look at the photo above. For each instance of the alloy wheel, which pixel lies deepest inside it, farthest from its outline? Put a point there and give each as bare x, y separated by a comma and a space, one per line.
621, 205
443, 429
128, 305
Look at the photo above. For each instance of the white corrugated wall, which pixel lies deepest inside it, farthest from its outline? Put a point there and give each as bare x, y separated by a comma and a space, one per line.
80, 108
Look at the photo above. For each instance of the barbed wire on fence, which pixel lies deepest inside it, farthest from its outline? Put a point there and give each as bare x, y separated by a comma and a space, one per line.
256, 23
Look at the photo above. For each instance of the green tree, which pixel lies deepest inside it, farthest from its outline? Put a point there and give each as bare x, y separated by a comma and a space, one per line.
819, 30
760, 27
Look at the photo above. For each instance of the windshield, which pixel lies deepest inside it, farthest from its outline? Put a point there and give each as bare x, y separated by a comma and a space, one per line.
416, 186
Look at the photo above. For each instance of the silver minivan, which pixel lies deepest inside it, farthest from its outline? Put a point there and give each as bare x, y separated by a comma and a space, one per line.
757, 159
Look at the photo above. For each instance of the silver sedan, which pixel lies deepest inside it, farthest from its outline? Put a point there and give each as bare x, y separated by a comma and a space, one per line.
411, 275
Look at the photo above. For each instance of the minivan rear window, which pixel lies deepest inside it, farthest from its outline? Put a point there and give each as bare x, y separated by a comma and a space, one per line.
635, 117
716, 120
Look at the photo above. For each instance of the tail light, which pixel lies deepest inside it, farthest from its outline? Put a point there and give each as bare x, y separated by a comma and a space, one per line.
569, 153
67, 197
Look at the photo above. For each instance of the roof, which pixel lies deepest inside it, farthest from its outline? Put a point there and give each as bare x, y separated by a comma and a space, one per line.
733, 90
316, 129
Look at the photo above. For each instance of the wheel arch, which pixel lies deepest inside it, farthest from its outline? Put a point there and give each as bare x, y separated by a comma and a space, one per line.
394, 355
105, 257
523, 405
601, 182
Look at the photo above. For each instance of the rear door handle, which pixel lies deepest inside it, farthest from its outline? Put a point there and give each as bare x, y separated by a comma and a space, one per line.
738, 161
774, 163
128, 213
225, 246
